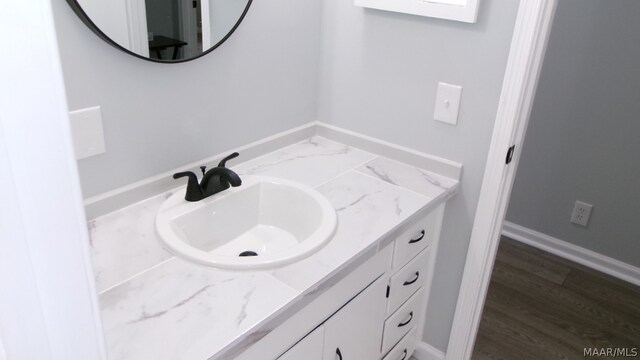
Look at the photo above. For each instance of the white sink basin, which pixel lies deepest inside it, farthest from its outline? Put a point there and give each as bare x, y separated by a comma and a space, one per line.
279, 221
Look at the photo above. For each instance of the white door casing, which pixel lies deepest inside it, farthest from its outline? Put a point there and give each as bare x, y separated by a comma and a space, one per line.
528, 45
52, 310
189, 27
137, 27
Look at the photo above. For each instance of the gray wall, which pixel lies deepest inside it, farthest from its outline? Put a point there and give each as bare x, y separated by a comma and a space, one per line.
379, 76
157, 117
583, 139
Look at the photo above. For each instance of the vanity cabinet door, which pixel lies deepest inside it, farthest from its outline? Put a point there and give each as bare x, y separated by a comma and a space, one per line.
355, 332
309, 348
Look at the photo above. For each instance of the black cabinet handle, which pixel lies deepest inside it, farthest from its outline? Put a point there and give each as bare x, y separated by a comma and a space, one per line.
412, 281
339, 353
405, 354
413, 241
408, 321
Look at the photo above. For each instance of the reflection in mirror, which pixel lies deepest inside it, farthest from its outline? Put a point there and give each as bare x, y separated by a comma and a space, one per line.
163, 30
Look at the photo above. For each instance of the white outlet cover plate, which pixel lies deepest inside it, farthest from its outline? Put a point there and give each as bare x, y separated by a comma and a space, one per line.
448, 103
87, 131
581, 213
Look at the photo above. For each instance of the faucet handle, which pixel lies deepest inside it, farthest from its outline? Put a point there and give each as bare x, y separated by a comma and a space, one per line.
194, 191
223, 162
188, 174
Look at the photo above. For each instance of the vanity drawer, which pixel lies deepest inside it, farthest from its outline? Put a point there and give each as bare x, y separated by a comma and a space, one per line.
403, 320
412, 241
405, 347
407, 280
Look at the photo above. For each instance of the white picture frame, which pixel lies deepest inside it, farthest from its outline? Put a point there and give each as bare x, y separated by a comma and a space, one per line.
457, 10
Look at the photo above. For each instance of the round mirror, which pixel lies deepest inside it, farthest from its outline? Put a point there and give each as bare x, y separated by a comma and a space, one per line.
167, 31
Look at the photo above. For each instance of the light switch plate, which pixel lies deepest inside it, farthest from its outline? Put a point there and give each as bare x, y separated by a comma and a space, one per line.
448, 103
87, 131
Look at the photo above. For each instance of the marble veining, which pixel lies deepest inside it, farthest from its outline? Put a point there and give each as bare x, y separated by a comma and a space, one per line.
125, 243
367, 210
182, 311
155, 306
410, 177
311, 162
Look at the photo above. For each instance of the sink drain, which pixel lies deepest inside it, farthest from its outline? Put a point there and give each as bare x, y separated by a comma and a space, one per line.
248, 253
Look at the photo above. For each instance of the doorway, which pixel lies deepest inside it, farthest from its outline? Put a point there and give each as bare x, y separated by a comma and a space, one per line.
582, 145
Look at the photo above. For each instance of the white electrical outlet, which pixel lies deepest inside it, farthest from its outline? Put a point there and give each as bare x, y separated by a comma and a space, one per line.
581, 213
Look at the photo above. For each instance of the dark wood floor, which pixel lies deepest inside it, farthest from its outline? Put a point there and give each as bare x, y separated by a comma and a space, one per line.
540, 307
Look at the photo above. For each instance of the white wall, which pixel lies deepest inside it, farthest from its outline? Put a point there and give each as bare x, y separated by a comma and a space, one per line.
583, 139
3, 353
379, 76
47, 297
157, 116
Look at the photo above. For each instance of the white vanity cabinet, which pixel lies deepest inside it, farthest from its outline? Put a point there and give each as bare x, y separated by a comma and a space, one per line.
352, 333
379, 319
409, 282
405, 347
309, 348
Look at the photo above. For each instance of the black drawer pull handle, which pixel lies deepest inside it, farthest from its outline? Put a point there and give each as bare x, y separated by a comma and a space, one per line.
406, 283
405, 354
339, 353
408, 321
413, 241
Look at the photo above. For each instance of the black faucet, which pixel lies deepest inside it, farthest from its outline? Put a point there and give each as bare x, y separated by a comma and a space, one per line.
215, 180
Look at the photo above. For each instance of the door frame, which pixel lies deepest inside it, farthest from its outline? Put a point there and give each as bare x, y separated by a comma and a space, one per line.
188, 27
137, 27
52, 310
528, 45
205, 11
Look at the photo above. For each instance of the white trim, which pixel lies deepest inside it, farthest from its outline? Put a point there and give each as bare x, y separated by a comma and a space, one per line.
533, 24
115, 199
52, 308
580, 255
205, 19
467, 12
3, 353
188, 28
137, 27
425, 351
419, 159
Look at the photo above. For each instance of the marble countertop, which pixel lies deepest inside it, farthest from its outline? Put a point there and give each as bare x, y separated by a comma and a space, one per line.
157, 306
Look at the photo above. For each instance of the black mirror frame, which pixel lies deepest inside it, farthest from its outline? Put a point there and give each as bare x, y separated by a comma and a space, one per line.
75, 6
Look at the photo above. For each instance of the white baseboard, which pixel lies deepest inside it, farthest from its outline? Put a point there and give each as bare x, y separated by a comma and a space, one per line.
605, 264
425, 351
